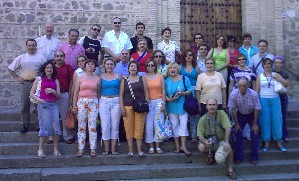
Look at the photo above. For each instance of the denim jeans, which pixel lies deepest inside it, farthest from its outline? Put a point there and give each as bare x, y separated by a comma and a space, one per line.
48, 116
284, 107
193, 125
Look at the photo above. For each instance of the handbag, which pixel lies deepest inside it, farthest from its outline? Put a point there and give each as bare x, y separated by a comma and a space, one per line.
191, 103
279, 88
37, 91
139, 105
163, 129
71, 120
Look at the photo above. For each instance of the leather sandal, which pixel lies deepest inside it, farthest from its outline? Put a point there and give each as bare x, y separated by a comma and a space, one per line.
232, 175
80, 153
93, 154
41, 154
159, 151
210, 160
56, 154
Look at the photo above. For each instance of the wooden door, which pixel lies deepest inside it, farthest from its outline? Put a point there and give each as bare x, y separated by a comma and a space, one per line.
210, 18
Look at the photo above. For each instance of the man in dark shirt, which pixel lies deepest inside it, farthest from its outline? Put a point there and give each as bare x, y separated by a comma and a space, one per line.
140, 27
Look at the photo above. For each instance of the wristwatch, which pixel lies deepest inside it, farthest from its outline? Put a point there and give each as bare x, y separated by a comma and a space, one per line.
226, 141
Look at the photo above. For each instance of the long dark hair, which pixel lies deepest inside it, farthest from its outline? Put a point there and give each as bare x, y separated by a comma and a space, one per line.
42, 69
194, 64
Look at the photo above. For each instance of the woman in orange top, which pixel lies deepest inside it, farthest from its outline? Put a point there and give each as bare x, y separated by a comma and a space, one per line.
85, 104
156, 92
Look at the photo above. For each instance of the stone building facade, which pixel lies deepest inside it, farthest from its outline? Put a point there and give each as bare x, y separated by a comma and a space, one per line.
274, 20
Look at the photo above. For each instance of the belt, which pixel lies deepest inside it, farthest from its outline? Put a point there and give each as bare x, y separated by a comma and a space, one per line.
110, 96
31, 80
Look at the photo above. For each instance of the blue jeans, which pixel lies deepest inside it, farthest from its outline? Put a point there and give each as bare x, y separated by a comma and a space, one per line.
254, 143
193, 125
48, 116
284, 107
270, 120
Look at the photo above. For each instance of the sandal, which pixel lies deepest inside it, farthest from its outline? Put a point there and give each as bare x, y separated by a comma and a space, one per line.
93, 154
151, 151
159, 151
283, 149
56, 154
141, 154
232, 175
210, 160
114, 153
105, 153
80, 153
177, 151
130, 154
41, 154
186, 152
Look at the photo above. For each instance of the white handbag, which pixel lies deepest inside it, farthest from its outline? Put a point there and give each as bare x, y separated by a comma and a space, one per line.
279, 88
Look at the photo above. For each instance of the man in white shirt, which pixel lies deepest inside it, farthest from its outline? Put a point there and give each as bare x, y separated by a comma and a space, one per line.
47, 45
27, 66
116, 40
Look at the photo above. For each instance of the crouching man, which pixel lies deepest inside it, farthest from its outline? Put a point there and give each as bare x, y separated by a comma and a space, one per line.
214, 130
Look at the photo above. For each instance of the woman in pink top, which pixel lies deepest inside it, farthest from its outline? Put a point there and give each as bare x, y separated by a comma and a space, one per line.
48, 115
85, 104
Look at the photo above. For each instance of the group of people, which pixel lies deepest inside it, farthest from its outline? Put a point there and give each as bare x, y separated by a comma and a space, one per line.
224, 80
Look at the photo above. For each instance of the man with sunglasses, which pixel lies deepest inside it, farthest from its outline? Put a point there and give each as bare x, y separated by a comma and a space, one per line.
92, 44
140, 27
116, 40
245, 105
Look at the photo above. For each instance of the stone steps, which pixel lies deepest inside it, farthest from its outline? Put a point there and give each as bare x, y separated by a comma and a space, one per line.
142, 171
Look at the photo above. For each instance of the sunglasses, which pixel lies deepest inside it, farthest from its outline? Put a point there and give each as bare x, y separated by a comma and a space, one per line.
59, 55
232, 41
117, 23
150, 65
124, 53
239, 59
94, 29
158, 56
198, 38
203, 48
189, 55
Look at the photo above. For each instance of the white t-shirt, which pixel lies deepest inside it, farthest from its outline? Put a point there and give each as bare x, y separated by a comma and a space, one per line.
47, 47
116, 45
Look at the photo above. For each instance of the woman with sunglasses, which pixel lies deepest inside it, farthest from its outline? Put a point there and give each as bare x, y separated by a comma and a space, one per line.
156, 93
270, 118
197, 40
221, 56
278, 67
210, 85
175, 96
159, 58
190, 69
241, 71
141, 56
233, 53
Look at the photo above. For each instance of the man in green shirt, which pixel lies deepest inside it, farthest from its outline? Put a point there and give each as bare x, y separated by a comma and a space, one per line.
214, 129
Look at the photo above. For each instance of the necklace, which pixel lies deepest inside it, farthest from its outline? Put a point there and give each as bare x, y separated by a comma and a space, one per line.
269, 79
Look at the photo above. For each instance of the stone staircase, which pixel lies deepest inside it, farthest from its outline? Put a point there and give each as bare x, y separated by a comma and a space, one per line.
19, 160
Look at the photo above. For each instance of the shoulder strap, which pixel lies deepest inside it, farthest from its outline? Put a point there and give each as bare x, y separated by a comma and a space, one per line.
212, 52
214, 121
184, 82
130, 88
141, 56
254, 69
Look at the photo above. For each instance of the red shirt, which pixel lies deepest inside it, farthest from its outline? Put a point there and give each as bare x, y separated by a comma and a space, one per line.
141, 62
64, 76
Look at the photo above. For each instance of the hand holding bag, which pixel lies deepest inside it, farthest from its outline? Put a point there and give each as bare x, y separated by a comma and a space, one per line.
139, 105
71, 120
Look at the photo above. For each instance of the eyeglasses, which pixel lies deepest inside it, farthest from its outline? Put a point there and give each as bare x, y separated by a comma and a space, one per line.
59, 55
239, 59
198, 38
98, 30
124, 53
203, 48
158, 56
117, 23
189, 55
150, 65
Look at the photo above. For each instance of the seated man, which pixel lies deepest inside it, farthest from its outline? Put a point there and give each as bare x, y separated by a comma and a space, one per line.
213, 131
245, 105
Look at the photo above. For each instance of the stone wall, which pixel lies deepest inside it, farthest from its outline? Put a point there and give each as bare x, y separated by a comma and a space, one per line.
278, 22
21, 19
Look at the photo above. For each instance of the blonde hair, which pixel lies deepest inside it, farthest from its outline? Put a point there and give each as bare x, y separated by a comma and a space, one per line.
172, 64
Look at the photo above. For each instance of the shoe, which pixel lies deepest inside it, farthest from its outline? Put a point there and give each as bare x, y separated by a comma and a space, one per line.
286, 139
159, 151
232, 175
193, 140
93, 154
114, 153
210, 160
177, 151
50, 142
186, 152
151, 151
238, 162
105, 153
80, 153
265, 149
41, 154
37, 129
141, 154
254, 162
282, 149
24, 129
130, 154
56, 154
70, 141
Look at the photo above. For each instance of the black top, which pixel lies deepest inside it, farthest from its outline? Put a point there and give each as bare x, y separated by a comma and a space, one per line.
138, 90
134, 41
93, 43
283, 73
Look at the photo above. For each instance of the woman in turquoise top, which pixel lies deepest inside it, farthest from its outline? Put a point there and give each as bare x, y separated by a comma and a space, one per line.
220, 55
175, 97
109, 106
190, 69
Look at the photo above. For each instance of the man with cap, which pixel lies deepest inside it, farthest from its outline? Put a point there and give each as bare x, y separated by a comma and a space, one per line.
213, 131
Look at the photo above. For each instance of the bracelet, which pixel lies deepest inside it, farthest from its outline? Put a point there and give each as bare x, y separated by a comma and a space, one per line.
74, 107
